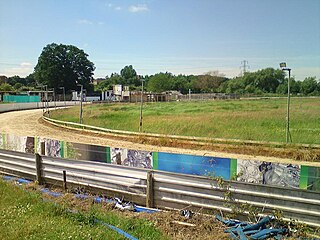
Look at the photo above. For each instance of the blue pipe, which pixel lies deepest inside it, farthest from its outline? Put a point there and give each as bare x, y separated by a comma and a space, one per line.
116, 229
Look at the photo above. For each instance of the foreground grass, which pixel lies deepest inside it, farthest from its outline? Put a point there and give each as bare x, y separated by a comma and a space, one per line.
24, 215
261, 120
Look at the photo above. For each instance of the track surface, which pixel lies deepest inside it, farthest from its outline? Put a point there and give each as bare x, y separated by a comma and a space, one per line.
29, 123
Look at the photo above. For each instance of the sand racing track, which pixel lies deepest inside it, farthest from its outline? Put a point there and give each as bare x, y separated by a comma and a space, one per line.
30, 123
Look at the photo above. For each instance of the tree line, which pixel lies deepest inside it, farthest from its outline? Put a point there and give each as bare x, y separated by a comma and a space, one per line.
67, 66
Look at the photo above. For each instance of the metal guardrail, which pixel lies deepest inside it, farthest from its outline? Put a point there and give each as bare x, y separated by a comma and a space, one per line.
163, 189
199, 140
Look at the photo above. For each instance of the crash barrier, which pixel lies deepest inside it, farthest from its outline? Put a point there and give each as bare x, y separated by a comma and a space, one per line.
164, 189
34, 105
263, 170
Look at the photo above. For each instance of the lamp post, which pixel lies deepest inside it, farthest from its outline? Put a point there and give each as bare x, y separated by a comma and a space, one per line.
284, 67
54, 97
141, 105
46, 97
80, 85
64, 95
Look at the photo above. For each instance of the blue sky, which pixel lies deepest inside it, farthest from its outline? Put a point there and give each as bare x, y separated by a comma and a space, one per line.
179, 36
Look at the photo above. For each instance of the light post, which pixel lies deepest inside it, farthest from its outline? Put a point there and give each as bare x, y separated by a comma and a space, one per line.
80, 85
141, 105
283, 67
54, 97
46, 96
64, 94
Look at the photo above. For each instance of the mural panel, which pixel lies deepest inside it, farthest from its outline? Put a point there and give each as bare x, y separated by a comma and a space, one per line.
85, 152
197, 165
16, 143
131, 158
52, 148
286, 175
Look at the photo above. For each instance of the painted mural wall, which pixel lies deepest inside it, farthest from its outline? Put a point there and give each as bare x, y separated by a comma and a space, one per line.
197, 165
260, 172
131, 158
286, 175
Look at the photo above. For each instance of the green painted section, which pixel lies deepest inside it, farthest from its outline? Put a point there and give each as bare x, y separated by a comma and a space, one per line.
314, 178
4, 142
108, 155
35, 144
304, 175
155, 160
20, 98
65, 149
62, 149
233, 169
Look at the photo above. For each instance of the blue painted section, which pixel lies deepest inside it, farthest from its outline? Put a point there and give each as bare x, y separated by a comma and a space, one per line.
196, 165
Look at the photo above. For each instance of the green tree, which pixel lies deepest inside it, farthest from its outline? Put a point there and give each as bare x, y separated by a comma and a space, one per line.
181, 83
309, 85
130, 75
64, 65
160, 82
208, 83
6, 87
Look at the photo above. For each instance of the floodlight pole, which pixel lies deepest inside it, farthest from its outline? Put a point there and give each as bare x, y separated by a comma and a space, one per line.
141, 105
288, 109
284, 68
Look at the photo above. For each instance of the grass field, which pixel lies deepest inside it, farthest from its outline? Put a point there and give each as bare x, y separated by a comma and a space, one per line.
261, 120
24, 215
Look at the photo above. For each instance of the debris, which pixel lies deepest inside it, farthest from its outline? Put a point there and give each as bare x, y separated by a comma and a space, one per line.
186, 213
184, 223
261, 230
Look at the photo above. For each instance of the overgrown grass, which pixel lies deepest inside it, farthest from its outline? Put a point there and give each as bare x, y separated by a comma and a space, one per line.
261, 120
24, 215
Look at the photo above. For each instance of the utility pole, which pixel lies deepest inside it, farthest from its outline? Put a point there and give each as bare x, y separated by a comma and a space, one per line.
244, 66
141, 105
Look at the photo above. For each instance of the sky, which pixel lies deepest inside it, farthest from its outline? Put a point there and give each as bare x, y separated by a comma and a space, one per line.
178, 36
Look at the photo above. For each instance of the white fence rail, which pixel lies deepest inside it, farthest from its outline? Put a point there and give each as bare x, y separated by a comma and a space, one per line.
163, 189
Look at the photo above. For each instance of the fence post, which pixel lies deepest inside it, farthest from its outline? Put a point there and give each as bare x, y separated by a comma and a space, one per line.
150, 190
64, 185
39, 169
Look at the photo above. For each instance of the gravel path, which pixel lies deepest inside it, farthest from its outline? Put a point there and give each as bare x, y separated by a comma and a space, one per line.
29, 123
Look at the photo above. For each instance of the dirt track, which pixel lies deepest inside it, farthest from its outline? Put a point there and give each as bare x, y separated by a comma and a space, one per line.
29, 123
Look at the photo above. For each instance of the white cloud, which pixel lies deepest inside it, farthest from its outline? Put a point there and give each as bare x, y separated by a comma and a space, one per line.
138, 8
85, 22
114, 7
26, 64
23, 69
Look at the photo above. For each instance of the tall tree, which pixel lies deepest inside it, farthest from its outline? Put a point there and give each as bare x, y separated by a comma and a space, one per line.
130, 75
309, 85
160, 82
64, 65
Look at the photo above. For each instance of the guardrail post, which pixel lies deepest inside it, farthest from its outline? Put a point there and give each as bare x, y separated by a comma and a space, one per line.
64, 184
39, 169
150, 190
